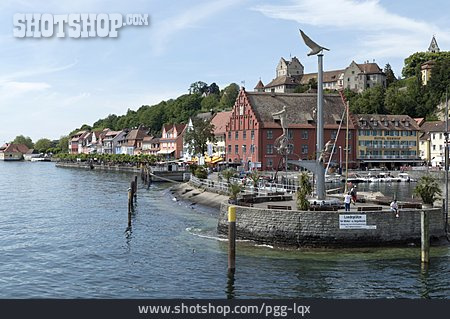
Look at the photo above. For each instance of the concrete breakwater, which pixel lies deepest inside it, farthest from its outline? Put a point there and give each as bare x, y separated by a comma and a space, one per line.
329, 229
119, 168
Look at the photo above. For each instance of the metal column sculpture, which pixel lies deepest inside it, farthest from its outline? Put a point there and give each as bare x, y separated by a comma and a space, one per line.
320, 171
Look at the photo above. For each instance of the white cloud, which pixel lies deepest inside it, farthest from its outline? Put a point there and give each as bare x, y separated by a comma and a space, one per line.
13, 88
188, 19
380, 32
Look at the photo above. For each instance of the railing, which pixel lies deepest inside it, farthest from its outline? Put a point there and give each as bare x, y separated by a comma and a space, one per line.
263, 189
388, 157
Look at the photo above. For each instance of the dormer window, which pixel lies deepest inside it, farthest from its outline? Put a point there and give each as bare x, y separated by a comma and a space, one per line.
396, 123
406, 123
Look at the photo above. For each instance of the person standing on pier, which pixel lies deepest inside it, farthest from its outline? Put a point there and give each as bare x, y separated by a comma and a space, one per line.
394, 207
347, 201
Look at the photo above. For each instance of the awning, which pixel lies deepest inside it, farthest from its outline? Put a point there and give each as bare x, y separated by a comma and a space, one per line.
216, 160
166, 152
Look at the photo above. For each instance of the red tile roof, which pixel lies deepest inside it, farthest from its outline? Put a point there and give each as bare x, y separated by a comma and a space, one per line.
369, 68
15, 148
220, 121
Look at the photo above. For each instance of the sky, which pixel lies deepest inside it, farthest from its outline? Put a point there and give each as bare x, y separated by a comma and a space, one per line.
50, 86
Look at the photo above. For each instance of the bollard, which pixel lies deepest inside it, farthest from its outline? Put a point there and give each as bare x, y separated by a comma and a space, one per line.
231, 239
135, 185
130, 204
425, 238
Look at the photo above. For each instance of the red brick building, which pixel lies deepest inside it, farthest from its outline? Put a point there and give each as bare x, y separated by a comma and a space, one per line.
251, 131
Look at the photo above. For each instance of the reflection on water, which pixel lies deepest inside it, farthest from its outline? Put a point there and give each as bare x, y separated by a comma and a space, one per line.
63, 235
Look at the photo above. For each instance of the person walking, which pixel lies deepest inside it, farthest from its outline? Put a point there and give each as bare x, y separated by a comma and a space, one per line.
347, 201
394, 207
353, 194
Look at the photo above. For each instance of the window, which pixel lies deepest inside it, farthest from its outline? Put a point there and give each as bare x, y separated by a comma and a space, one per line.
304, 149
252, 149
244, 135
252, 135
229, 149
236, 135
305, 134
236, 149
290, 134
229, 135
333, 135
290, 148
269, 149
269, 134
434, 147
244, 149
270, 163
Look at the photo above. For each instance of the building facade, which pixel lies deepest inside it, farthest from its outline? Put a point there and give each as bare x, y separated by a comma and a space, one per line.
13, 152
358, 77
171, 141
387, 140
150, 145
433, 149
251, 131
288, 75
219, 121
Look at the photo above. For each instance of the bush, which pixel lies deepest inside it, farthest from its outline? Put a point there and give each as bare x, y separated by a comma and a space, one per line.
303, 192
201, 173
428, 189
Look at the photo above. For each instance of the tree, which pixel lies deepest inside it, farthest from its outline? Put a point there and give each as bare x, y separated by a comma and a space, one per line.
43, 145
229, 96
304, 190
213, 89
210, 102
20, 139
255, 176
63, 144
228, 174
428, 189
434, 91
405, 97
234, 190
370, 101
198, 87
414, 61
198, 137
390, 76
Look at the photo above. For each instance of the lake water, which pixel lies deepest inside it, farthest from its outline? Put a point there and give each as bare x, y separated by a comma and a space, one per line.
63, 235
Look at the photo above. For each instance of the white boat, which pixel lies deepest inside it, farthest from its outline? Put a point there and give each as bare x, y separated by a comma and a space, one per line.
404, 177
40, 159
383, 178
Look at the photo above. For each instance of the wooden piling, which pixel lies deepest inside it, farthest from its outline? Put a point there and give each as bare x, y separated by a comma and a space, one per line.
135, 185
132, 192
231, 239
130, 204
425, 238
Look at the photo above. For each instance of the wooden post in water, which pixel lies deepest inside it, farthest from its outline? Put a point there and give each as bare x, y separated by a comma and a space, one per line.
231, 239
135, 186
132, 192
130, 204
425, 238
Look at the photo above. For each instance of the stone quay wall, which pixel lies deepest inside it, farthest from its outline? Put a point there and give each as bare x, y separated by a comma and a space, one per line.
322, 229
